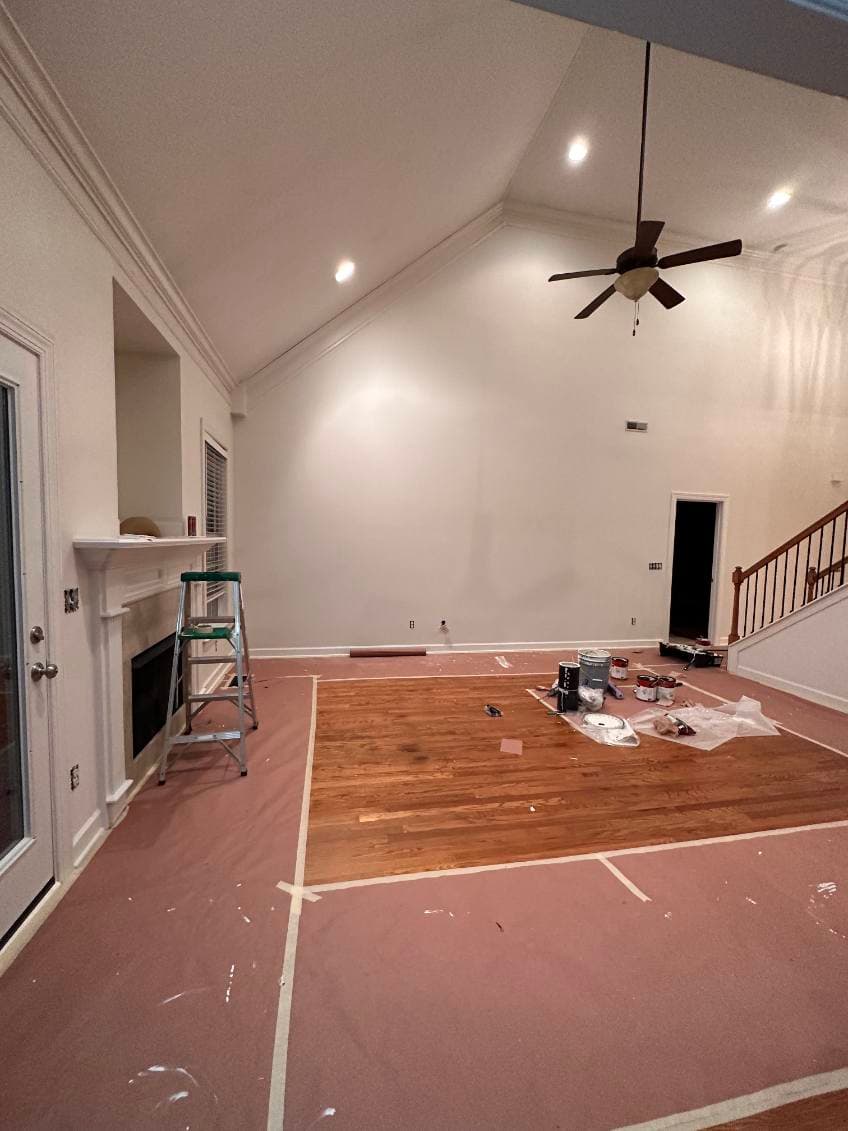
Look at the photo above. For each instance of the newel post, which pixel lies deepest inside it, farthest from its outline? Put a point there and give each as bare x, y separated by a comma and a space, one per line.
734, 622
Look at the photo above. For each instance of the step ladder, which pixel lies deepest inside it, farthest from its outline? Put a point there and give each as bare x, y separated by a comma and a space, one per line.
191, 631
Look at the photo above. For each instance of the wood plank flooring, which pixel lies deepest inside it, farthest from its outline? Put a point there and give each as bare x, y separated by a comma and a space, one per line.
408, 776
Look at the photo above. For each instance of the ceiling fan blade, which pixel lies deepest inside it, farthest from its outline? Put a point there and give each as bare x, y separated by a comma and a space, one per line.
582, 274
595, 303
667, 295
647, 234
702, 254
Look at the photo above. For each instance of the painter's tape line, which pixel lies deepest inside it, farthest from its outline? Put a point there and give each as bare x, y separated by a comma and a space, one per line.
628, 883
742, 1106
301, 892
279, 1062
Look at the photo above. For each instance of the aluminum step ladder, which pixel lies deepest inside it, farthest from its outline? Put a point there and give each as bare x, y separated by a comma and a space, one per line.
191, 631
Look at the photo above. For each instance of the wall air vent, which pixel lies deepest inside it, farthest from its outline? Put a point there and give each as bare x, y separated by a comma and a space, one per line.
636, 425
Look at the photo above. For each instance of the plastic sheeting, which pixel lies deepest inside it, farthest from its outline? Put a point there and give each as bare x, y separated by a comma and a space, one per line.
712, 725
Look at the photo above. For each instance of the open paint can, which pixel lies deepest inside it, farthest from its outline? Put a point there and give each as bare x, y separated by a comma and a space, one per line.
665, 689
594, 668
619, 667
646, 688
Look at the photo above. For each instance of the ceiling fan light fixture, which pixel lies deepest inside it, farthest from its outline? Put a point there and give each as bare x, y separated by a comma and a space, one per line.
635, 284
578, 151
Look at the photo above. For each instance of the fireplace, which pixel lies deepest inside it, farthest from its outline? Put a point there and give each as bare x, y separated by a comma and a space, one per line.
151, 678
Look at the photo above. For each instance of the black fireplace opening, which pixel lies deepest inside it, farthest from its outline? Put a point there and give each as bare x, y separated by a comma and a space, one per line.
151, 679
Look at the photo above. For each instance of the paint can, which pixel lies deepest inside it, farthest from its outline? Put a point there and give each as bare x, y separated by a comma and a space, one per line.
569, 681
646, 688
619, 667
594, 668
665, 689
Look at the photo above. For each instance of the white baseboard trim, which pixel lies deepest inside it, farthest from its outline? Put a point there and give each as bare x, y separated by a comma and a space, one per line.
311, 651
87, 838
823, 698
216, 676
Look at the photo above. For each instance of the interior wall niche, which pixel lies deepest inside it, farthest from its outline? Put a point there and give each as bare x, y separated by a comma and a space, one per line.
147, 401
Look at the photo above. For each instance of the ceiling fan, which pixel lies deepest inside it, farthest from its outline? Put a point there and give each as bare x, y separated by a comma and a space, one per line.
637, 266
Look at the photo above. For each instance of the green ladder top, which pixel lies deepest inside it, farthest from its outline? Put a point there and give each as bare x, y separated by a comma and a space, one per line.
201, 575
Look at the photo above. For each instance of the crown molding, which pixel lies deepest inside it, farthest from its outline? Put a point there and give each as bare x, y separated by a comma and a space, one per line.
34, 109
327, 337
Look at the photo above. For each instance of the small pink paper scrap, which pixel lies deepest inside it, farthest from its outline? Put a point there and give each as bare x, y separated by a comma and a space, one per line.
512, 746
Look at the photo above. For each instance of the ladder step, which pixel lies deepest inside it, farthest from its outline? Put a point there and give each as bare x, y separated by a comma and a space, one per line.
216, 697
210, 620
194, 632
211, 736
209, 659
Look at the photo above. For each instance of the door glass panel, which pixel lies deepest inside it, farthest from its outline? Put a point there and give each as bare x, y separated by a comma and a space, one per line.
11, 747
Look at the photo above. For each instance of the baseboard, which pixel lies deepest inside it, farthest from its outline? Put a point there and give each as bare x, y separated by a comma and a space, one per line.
823, 698
216, 676
87, 839
308, 652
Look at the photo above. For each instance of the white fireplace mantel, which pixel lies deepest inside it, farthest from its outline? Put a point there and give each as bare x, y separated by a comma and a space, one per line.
128, 553
126, 570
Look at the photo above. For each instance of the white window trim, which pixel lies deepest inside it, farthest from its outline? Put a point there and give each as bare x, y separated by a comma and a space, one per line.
207, 438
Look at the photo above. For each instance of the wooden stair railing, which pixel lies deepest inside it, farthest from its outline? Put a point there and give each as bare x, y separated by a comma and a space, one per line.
780, 586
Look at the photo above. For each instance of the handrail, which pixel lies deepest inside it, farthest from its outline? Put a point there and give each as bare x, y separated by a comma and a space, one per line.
815, 578
837, 512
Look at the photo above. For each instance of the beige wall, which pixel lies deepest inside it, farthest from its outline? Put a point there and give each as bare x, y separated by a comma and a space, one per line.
464, 456
57, 276
147, 388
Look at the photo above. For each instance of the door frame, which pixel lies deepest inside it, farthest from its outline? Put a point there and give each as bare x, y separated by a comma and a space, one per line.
719, 547
41, 346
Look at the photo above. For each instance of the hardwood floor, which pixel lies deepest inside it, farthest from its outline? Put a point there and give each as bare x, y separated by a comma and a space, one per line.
408, 776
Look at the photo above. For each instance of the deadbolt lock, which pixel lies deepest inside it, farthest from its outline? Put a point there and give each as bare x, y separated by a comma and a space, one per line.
36, 634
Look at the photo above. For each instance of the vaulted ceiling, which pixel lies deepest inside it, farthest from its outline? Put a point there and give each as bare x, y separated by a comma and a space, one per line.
260, 143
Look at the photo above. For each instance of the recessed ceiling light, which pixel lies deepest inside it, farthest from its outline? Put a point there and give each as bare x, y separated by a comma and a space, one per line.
577, 151
345, 270
779, 198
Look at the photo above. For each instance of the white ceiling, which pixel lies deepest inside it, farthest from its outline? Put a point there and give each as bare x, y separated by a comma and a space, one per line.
259, 143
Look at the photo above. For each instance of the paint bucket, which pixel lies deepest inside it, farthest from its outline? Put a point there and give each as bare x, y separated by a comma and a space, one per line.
619, 667
665, 689
594, 668
569, 675
646, 688
569, 680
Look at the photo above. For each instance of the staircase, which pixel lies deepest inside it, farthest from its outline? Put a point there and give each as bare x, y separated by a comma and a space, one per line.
790, 614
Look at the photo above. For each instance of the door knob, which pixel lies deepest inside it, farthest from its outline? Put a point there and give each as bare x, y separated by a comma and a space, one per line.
39, 671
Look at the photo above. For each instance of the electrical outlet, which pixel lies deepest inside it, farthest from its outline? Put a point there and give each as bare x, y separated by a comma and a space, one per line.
654, 565
412, 624
71, 600
443, 626
632, 620
75, 776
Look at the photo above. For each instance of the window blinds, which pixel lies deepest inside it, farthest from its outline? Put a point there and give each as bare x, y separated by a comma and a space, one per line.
215, 465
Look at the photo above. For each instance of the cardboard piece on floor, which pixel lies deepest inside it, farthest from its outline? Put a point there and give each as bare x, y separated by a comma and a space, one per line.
512, 746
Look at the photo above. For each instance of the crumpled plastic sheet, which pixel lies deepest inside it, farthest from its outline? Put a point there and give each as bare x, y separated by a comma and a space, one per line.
712, 725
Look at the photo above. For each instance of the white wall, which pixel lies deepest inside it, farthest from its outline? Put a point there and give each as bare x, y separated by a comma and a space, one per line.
57, 276
147, 388
464, 454
804, 654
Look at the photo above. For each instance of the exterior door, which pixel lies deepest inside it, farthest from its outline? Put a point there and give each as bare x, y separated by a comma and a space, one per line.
26, 818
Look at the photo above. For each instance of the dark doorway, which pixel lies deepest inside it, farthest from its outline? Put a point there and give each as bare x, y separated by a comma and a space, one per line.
692, 569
